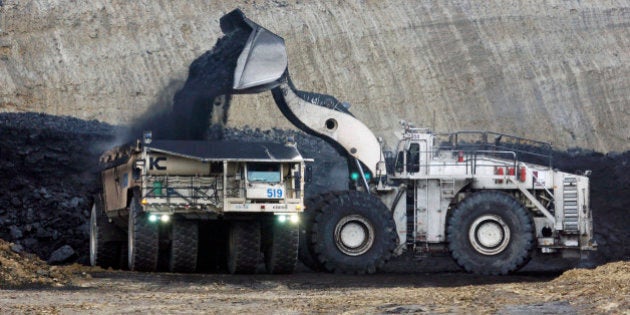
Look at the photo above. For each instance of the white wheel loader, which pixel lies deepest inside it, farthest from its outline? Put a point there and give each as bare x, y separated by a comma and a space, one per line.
484, 197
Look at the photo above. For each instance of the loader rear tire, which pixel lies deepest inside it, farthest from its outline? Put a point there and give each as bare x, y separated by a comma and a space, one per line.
243, 246
490, 233
281, 248
143, 239
353, 233
104, 238
184, 246
306, 252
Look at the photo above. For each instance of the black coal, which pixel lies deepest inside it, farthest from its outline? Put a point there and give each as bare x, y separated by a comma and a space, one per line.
49, 172
206, 93
48, 168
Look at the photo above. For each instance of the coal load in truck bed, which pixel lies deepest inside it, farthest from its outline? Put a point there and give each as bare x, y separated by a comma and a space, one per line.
226, 150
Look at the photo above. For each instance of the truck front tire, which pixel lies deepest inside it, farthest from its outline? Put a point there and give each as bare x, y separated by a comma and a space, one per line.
354, 233
104, 238
243, 246
281, 248
490, 233
184, 246
143, 239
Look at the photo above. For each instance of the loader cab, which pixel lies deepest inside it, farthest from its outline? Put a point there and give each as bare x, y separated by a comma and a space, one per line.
413, 154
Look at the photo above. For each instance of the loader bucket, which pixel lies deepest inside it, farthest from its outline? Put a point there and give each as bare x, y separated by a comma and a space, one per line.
263, 62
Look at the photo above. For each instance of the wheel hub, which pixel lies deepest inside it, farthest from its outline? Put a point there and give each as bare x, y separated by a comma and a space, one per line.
354, 235
489, 235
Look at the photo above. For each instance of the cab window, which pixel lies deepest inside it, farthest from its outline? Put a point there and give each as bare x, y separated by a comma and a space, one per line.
263, 172
413, 158
400, 162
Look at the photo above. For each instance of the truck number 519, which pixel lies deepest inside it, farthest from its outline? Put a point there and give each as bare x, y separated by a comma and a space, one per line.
274, 193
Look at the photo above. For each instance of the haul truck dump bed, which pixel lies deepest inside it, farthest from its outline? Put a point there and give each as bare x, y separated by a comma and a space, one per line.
157, 192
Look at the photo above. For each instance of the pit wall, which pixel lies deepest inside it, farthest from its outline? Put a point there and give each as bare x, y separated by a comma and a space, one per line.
551, 70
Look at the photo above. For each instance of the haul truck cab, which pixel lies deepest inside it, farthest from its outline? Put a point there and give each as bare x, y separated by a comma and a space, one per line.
163, 185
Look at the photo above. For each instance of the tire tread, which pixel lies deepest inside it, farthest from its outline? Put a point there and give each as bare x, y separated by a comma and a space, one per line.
244, 256
184, 246
333, 260
473, 262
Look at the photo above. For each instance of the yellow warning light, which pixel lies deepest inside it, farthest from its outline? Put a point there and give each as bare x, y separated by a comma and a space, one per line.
144, 202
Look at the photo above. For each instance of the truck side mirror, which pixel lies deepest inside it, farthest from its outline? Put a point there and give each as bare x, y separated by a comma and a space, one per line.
136, 173
297, 181
308, 173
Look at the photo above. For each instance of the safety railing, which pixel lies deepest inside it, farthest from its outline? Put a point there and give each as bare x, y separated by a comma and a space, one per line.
533, 151
191, 190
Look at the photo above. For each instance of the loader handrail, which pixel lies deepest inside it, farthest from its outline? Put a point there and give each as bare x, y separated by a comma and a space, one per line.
472, 140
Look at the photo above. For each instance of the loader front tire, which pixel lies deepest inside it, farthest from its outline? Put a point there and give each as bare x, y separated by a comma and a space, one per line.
143, 239
353, 233
490, 233
184, 246
243, 246
306, 253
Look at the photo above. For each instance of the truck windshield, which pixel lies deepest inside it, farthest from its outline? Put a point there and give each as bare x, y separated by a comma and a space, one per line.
263, 172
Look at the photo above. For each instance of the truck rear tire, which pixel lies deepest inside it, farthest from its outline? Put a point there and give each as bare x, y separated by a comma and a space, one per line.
306, 254
143, 239
184, 246
105, 238
243, 246
353, 233
490, 233
281, 248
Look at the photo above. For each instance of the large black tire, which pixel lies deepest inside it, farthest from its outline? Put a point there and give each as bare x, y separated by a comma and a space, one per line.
353, 233
281, 247
143, 239
306, 253
243, 246
105, 237
123, 259
184, 246
490, 233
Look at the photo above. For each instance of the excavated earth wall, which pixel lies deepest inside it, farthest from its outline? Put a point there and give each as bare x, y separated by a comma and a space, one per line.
553, 70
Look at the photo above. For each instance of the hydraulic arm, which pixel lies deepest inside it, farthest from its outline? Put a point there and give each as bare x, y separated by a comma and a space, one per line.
263, 65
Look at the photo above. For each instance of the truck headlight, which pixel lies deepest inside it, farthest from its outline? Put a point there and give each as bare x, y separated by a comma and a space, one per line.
294, 218
164, 218
282, 218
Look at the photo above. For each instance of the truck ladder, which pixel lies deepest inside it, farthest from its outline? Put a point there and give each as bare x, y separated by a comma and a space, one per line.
411, 219
570, 204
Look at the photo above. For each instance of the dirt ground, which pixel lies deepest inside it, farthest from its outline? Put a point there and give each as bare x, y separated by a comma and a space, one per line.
605, 289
